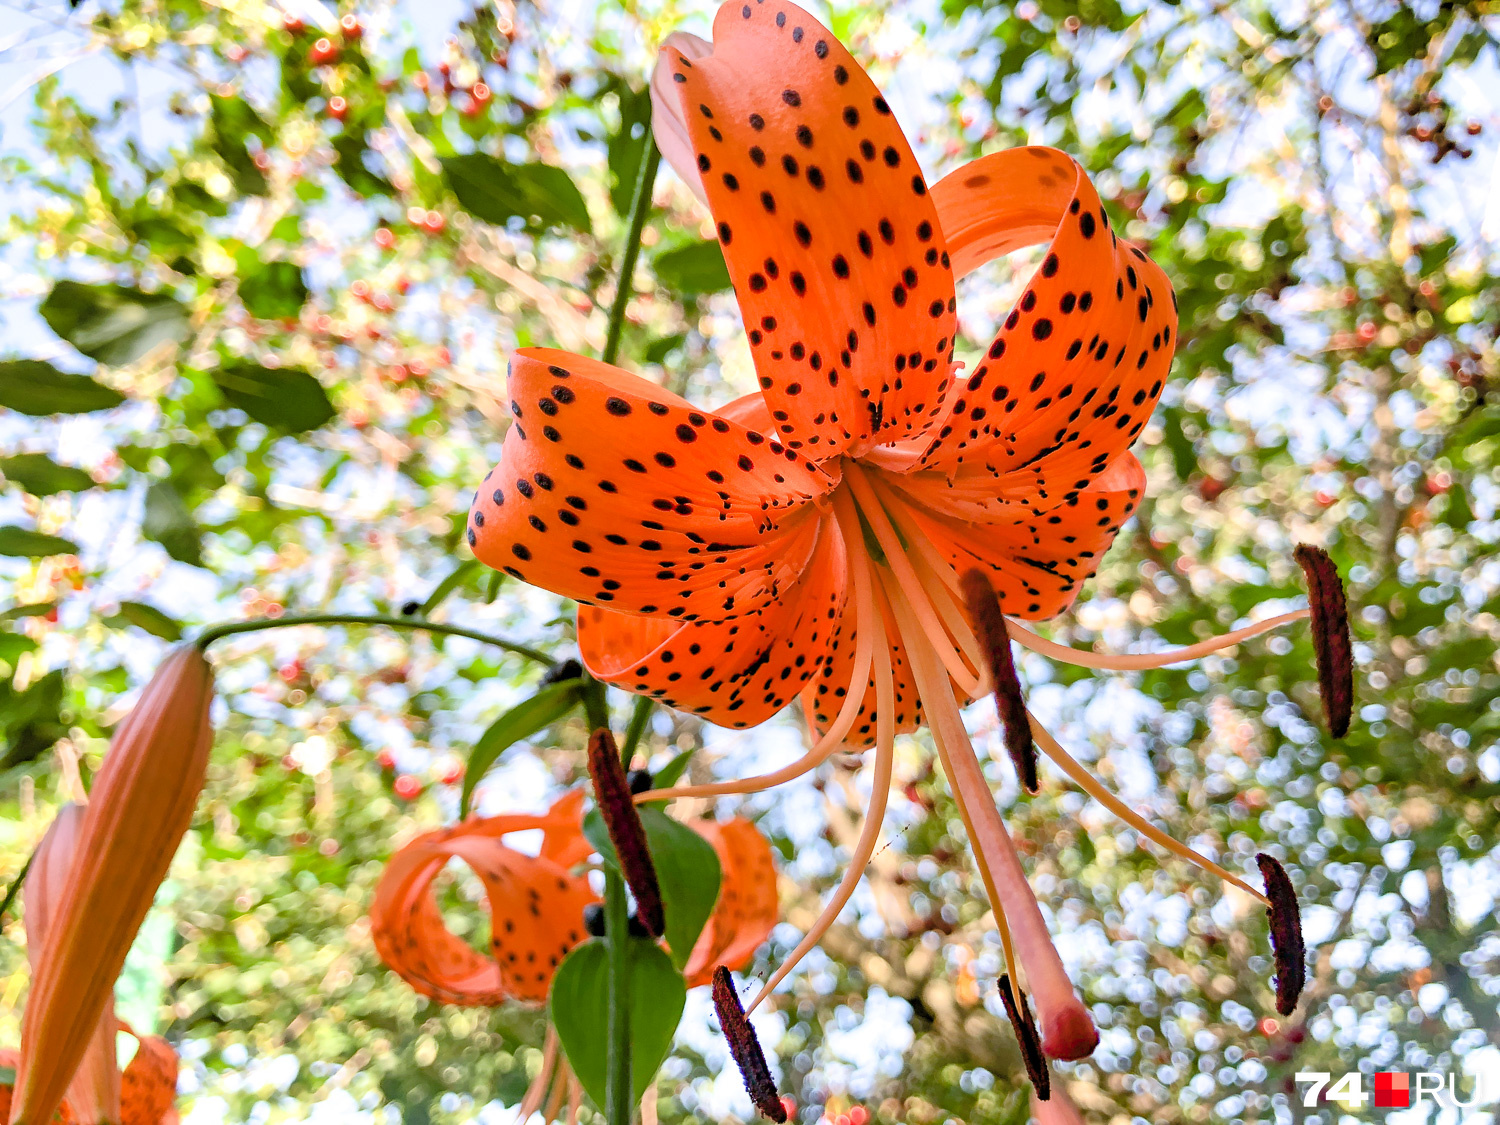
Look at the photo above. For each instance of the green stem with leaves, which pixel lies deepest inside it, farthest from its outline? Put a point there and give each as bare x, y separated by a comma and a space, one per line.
619, 1106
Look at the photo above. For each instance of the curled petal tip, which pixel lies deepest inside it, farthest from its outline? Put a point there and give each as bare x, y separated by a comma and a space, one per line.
617, 807
1331, 640
1286, 934
745, 1048
667, 121
989, 624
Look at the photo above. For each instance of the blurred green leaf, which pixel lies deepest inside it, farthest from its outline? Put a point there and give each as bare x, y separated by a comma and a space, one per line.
287, 399
169, 522
39, 475
114, 324
30, 386
31, 720
693, 269
146, 617
627, 146
495, 191
22, 543
272, 290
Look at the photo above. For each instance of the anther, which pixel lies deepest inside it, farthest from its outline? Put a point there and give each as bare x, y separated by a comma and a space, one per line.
1018, 1008
989, 625
1331, 641
612, 792
1286, 934
745, 1048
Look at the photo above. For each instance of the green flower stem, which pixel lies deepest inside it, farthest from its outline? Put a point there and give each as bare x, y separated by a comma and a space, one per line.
256, 625
14, 890
640, 208
619, 1096
619, 1093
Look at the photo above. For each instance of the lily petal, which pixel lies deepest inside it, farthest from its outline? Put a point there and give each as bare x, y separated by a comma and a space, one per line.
1078, 365
536, 911
94, 1092
747, 909
667, 122
141, 805
737, 673
148, 1089
614, 491
829, 231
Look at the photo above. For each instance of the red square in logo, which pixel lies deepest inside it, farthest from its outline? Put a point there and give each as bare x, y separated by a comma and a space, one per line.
1392, 1090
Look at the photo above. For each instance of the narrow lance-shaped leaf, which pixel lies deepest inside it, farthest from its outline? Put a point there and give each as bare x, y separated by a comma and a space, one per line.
546, 707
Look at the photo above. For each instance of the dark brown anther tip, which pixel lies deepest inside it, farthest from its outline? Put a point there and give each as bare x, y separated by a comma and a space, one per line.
1019, 1010
994, 638
1331, 640
745, 1048
616, 806
1286, 934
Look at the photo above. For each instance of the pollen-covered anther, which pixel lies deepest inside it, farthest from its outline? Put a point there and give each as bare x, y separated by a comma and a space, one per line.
745, 1048
1331, 640
1019, 1010
1286, 934
617, 807
989, 625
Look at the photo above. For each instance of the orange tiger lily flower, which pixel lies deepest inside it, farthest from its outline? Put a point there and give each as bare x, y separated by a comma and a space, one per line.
807, 541
536, 908
121, 845
746, 910
97, 1094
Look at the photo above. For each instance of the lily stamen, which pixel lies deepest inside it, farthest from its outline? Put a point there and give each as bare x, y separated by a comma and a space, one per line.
1286, 933
989, 623
745, 1048
537, 1091
616, 805
1331, 640
1144, 661
1019, 1011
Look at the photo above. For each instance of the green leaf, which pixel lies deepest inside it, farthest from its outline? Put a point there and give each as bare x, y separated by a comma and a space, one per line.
695, 268
22, 543
285, 398
579, 1006
351, 166
114, 324
13, 645
628, 146
234, 121
273, 290
169, 522
31, 720
146, 617
523, 720
658, 350
30, 386
687, 869
495, 191
667, 776
39, 475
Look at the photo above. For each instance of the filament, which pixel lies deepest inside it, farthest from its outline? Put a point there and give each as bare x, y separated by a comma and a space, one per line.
1095, 789
880, 788
833, 738
1140, 661
559, 1091
901, 566
538, 1088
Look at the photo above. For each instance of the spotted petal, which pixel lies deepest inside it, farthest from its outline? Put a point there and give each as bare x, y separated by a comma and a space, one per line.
613, 491
1076, 370
831, 236
746, 910
1036, 562
536, 911
735, 673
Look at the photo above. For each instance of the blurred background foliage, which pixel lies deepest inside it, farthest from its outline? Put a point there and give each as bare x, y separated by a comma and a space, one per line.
257, 305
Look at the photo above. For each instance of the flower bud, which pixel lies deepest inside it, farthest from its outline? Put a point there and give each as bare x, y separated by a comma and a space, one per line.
141, 806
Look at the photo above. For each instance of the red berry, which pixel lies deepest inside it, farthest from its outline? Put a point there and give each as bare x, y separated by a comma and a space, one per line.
407, 787
293, 26
351, 27
385, 238
323, 52
338, 108
386, 759
453, 774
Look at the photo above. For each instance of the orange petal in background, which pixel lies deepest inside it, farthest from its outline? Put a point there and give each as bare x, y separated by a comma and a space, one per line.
536, 908
94, 1093
149, 1086
746, 911
142, 803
